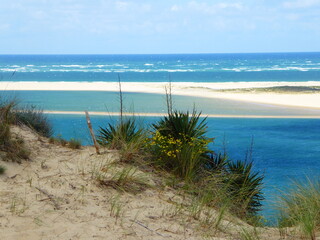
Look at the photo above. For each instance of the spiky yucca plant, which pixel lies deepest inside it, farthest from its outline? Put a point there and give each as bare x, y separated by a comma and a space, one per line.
124, 136
178, 123
115, 135
217, 162
245, 188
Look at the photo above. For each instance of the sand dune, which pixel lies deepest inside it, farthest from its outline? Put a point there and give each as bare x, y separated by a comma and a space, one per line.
56, 195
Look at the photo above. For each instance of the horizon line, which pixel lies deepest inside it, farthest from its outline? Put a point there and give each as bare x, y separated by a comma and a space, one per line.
2, 54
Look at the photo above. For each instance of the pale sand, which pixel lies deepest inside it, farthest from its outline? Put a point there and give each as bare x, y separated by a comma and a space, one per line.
56, 195
162, 114
208, 90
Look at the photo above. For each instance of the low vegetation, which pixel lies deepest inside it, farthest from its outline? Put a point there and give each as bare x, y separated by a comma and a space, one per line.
178, 145
72, 143
300, 208
35, 119
127, 179
11, 147
124, 136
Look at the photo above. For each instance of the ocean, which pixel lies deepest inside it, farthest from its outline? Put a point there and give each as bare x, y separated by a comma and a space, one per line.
284, 149
160, 68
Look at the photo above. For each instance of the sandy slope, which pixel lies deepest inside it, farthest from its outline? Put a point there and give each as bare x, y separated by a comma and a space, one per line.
77, 207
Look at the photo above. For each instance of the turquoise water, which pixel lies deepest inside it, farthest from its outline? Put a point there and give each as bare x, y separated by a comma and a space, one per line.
154, 68
146, 103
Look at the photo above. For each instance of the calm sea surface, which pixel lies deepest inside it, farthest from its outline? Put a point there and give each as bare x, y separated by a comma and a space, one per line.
284, 149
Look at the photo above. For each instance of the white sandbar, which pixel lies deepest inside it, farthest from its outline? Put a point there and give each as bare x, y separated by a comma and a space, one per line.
208, 90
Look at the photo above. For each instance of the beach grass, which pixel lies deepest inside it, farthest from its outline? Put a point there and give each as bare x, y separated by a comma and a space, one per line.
74, 143
299, 207
12, 146
34, 118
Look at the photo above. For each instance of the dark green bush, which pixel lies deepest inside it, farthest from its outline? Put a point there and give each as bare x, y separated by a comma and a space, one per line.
185, 126
179, 144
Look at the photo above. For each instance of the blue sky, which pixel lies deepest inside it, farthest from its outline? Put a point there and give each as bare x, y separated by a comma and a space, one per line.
166, 26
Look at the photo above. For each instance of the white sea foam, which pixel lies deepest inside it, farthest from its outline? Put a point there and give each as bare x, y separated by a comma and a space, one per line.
140, 69
73, 65
255, 70
148, 64
232, 69
6, 69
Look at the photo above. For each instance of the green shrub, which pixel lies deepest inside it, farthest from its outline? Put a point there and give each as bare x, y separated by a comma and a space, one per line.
34, 118
182, 125
217, 162
300, 207
13, 147
244, 188
179, 144
124, 136
115, 135
232, 186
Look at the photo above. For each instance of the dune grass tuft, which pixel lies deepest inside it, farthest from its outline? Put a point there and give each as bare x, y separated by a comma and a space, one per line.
74, 143
127, 179
300, 207
33, 118
13, 147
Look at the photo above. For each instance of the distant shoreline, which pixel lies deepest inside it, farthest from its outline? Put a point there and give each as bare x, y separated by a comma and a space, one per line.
258, 92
